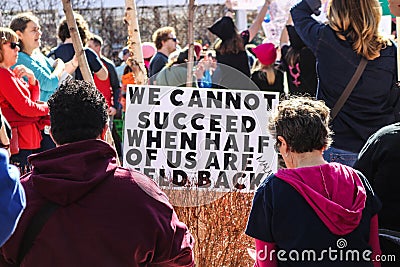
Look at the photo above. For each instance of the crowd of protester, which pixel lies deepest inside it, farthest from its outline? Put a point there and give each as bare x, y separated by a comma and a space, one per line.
53, 125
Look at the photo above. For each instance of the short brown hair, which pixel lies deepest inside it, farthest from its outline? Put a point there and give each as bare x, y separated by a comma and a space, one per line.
97, 40
6, 35
83, 29
162, 34
303, 122
20, 22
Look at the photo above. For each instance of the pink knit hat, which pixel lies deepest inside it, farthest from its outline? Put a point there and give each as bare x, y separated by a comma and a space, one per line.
148, 49
266, 53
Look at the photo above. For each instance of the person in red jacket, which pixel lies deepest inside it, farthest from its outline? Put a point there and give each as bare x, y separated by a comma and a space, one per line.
18, 101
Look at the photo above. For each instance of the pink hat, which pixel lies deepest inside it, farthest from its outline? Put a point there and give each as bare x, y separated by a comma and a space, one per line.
266, 53
148, 49
197, 49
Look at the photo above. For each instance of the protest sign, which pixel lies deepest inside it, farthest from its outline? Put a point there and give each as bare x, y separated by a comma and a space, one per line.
197, 137
246, 4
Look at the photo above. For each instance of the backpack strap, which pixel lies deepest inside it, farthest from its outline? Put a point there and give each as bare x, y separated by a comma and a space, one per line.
349, 88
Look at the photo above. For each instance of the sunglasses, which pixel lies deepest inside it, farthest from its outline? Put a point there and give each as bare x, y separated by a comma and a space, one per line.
14, 45
173, 39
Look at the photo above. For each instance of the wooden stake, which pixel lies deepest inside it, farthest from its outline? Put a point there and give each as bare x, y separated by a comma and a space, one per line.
398, 47
80, 53
134, 41
189, 77
77, 42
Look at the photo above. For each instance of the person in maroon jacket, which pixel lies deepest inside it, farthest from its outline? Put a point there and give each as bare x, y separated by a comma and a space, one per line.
18, 101
106, 215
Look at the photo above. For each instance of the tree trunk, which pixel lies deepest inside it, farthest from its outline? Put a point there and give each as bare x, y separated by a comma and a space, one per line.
77, 42
134, 41
189, 77
80, 53
398, 47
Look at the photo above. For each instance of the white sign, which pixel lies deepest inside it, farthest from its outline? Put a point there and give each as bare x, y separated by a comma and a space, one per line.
198, 137
247, 4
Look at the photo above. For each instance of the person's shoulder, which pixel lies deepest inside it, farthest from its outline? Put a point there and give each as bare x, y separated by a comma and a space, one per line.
146, 184
23, 57
121, 67
160, 57
63, 47
386, 133
90, 52
4, 72
390, 49
267, 182
107, 61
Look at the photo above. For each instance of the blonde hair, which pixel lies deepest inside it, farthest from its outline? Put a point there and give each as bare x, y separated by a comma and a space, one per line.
6, 35
357, 21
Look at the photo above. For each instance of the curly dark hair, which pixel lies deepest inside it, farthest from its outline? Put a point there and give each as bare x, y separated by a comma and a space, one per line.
303, 122
77, 112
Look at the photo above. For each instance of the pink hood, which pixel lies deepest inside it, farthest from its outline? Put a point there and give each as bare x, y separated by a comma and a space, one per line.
338, 202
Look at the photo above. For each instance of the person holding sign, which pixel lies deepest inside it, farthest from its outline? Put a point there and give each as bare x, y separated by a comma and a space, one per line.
336, 200
299, 63
105, 215
230, 50
352, 34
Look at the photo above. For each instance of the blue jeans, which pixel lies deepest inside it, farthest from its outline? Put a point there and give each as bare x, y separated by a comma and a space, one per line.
341, 156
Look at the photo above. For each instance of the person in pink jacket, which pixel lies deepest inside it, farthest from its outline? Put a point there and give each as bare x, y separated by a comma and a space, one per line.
312, 213
18, 101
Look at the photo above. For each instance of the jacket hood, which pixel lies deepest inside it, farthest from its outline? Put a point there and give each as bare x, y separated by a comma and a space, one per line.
68, 172
334, 191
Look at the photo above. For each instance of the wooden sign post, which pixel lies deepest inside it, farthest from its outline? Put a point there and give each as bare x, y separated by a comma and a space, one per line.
77, 42
398, 47
189, 77
134, 41
80, 53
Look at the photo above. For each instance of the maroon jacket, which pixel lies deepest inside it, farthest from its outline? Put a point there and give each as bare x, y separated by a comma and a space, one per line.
108, 216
